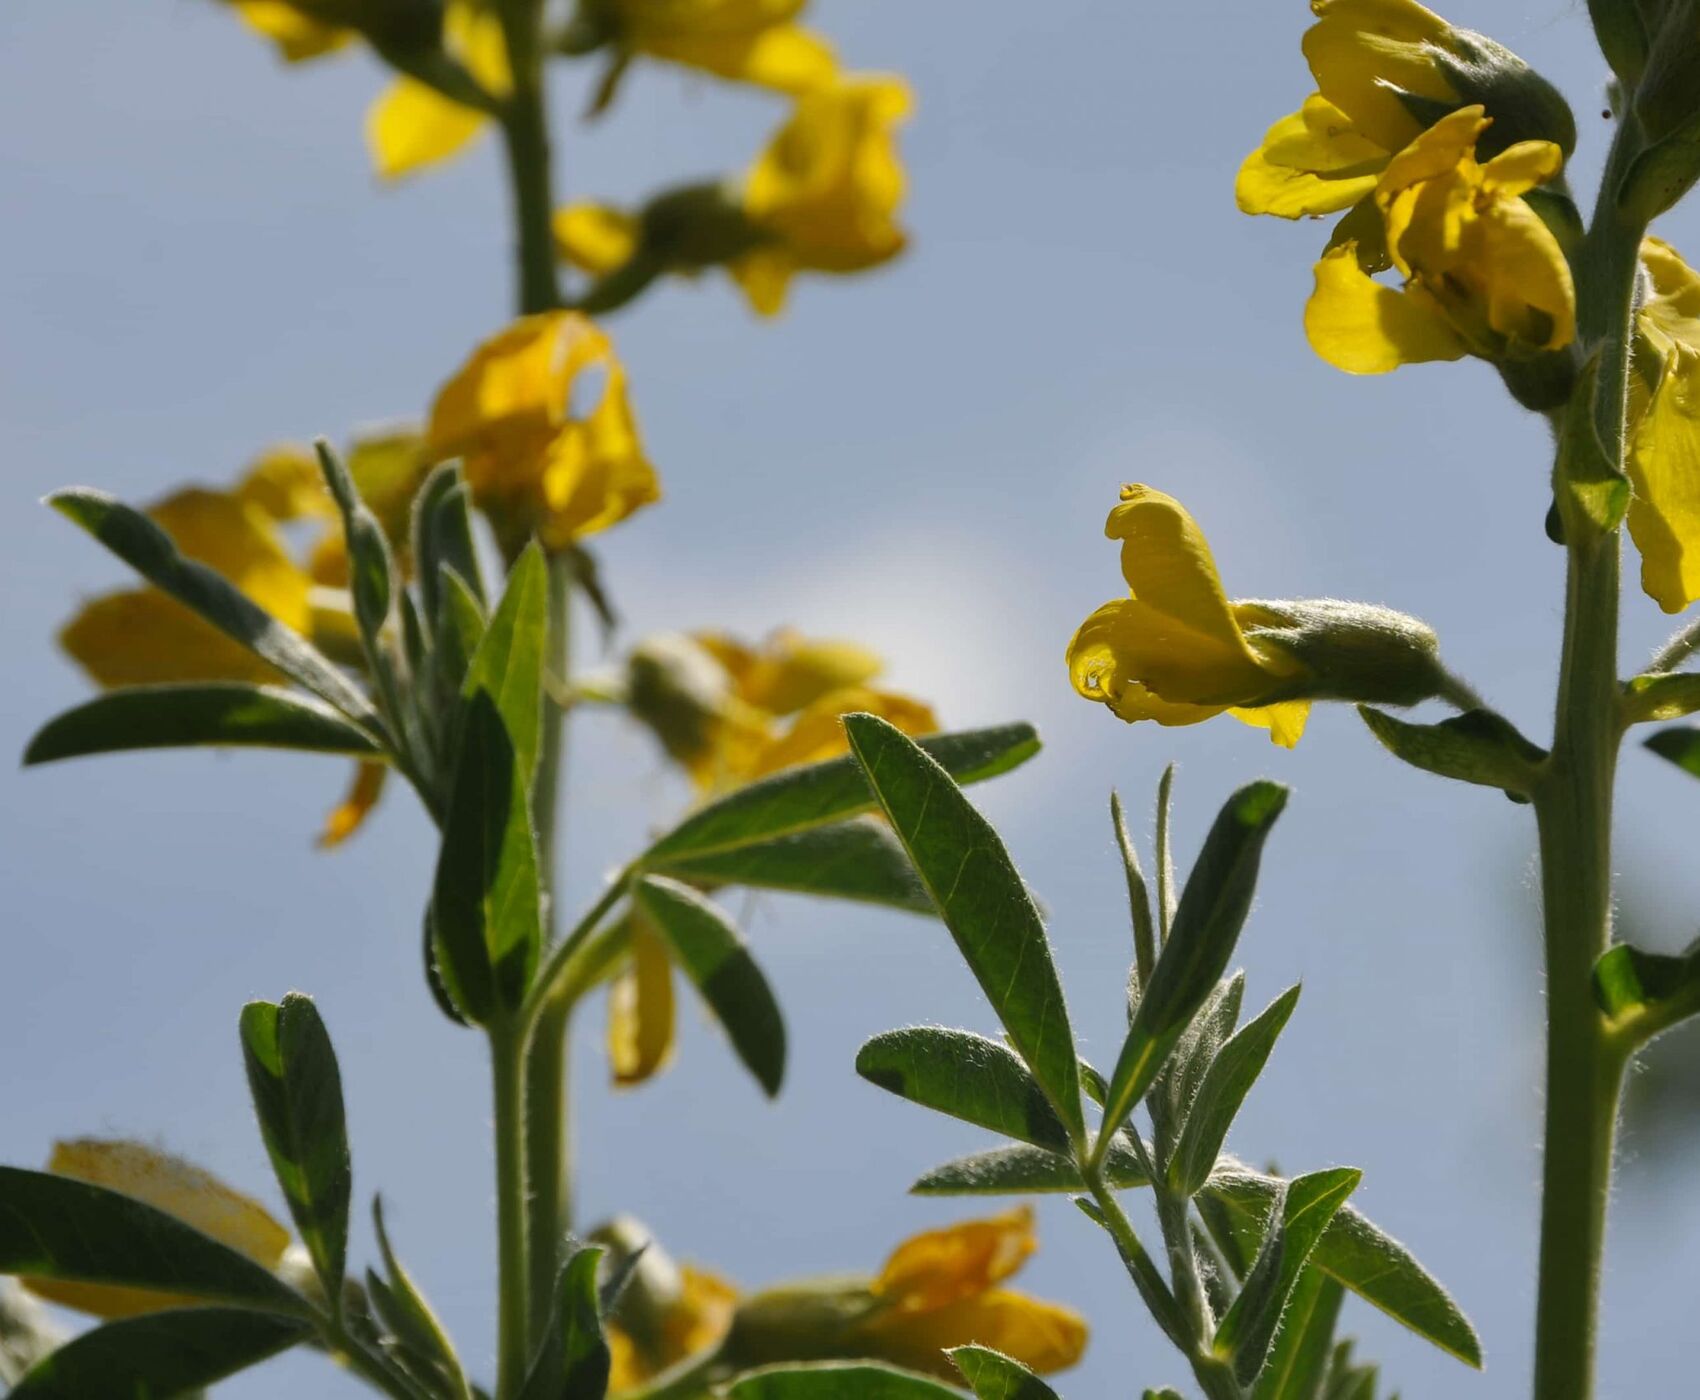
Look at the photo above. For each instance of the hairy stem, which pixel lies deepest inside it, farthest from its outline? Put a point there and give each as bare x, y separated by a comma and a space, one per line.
525, 140
1215, 1377
513, 1351
1573, 807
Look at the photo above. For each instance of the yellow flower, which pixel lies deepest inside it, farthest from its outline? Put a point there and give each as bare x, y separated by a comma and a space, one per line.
1176, 650
694, 1318
747, 41
141, 636
1664, 442
728, 714
1482, 274
1326, 156
174, 1186
823, 197
939, 1289
535, 465
411, 124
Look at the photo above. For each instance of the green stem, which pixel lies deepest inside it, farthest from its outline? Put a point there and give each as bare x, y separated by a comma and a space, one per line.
1152, 1290
1214, 1375
525, 138
1573, 808
513, 1351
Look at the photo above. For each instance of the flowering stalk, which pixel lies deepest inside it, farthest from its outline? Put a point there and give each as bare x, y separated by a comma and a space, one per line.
1573, 807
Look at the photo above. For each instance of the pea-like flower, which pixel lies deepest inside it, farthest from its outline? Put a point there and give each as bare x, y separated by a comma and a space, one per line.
1664, 443
823, 197
537, 461
1482, 274
1385, 70
748, 41
937, 1290
1178, 651
174, 1186
729, 713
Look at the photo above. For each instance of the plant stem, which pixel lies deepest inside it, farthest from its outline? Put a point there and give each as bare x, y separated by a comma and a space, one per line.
1152, 1290
513, 1352
1573, 808
1215, 1377
525, 139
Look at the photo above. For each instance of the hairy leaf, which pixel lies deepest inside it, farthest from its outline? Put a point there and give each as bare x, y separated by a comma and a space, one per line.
967, 1076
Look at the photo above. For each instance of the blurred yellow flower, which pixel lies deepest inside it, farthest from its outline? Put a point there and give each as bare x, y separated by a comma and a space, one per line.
693, 1320
174, 1186
1176, 650
747, 41
536, 463
1664, 443
411, 124
822, 197
729, 713
141, 636
1483, 275
1326, 156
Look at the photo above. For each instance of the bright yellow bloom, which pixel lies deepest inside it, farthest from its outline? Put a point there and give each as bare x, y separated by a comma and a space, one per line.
1664, 443
535, 463
411, 124
141, 636
1176, 650
823, 197
1326, 156
747, 41
174, 1186
1482, 274
693, 1320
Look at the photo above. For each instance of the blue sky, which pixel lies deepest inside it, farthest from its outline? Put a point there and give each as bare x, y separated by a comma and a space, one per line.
199, 263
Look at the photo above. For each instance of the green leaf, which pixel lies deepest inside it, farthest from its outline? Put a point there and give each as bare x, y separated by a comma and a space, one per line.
460, 629
176, 716
837, 1380
1373, 1265
857, 859
1164, 1394
1681, 745
983, 902
1661, 695
995, 1376
1024, 1171
1207, 924
1176, 1085
1232, 1073
158, 1356
371, 571
714, 957
1307, 1206
967, 1076
409, 1317
1298, 1362
573, 1361
1656, 988
486, 905
1138, 899
821, 793
297, 1089
150, 552
1477, 746
57, 1227
442, 538
508, 664
1347, 1381
1591, 492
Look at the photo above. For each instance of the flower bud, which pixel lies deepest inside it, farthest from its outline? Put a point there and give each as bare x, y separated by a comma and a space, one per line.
1524, 105
676, 688
1667, 99
1348, 651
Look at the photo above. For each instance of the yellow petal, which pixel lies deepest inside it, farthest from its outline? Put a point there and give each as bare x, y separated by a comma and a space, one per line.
595, 238
1362, 327
1521, 167
640, 1011
298, 35
595, 473
691, 1324
235, 538
285, 482
940, 1267
472, 32
786, 58
817, 734
410, 126
1311, 162
792, 671
764, 275
1044, 1337
349, 815
1361, 51
1285, 721
143, 637
1664, 469
174, 1186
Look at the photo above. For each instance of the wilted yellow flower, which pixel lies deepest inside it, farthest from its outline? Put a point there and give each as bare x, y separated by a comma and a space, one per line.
939, 1289
1176, 650
167, 1183
411, 124
536, 462
1482, 274
1664, 442
141, 636
823, 197
747, 41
